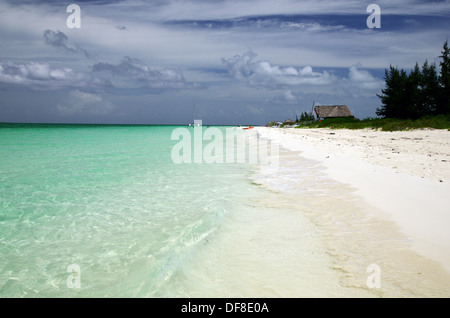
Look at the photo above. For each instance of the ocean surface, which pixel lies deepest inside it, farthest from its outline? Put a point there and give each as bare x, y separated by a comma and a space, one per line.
105, 211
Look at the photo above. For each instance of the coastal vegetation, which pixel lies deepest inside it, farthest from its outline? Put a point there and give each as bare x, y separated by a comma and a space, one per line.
386, 124
420, 93
418, 99
305, 117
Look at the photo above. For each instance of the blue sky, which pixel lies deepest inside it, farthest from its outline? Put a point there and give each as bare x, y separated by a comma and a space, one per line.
239, 62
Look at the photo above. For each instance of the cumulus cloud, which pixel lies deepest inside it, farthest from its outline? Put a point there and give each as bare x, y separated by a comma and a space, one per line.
363, 79
293, 80
150, 77
289, 96
42, 76
80, 102
245, 67
59, 39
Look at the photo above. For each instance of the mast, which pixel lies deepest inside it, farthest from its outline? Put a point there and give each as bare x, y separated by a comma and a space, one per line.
193, 119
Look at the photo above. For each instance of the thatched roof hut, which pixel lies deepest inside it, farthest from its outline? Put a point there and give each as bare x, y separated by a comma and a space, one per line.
332, 111
289, 122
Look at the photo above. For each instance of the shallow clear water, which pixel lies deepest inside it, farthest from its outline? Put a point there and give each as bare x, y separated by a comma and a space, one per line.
104, 211
108, 199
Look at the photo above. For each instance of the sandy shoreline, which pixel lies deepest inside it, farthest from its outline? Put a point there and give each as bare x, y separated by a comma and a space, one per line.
405, 176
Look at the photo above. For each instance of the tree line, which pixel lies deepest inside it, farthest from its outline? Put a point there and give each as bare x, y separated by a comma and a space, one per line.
422, 92
304, 117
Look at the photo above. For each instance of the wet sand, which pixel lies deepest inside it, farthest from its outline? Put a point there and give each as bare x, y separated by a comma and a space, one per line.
393, 200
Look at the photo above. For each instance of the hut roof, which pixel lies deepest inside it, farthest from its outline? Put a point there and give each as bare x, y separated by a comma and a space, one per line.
332, 111
289, 121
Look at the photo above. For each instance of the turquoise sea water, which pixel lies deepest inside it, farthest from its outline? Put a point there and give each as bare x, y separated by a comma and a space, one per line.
104, 211
109, 200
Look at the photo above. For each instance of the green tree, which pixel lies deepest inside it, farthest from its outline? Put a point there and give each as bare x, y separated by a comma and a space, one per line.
392, 97
430, 89
306, 117
420, 93
443, 106
412, 106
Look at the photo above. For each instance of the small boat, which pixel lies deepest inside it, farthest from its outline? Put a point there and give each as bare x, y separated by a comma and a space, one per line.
249, 127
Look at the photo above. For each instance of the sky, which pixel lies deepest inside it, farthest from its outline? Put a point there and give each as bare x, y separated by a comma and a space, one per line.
232, 61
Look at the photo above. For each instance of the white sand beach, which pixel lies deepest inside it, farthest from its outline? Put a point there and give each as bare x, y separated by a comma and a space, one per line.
340, 203
403, 175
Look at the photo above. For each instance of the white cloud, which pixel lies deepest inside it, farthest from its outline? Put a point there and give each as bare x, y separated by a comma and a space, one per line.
316, 34
80, 102
150, 77
363, 79
42, 76
312, 27
59, 39
255, 110
244, 67
288, 96
304, 80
